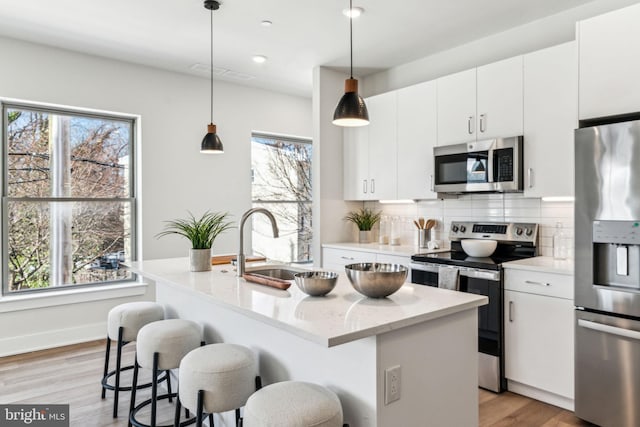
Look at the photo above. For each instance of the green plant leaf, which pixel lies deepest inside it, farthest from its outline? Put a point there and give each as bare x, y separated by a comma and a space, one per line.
365, 218
201, 232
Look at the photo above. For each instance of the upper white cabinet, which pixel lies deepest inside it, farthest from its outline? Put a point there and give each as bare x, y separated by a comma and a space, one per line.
417, 135
481, 103
370, 170
609, 64
550, 117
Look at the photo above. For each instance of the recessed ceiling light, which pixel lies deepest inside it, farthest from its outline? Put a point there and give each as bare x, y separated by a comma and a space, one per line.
259, 59
353, 13
266, 23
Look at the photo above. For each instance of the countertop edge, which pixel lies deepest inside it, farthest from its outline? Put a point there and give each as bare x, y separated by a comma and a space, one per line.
400, 250
543, 264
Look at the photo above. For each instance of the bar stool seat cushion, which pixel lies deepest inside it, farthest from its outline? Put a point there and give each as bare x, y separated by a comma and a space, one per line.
172, 339
132, 316
225, 372
293, 404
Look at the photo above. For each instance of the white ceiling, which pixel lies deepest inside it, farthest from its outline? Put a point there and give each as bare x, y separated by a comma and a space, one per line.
174, 34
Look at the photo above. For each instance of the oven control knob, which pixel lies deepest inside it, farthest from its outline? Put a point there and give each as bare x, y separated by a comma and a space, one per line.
518, 231
463, 228
454, 228
528, 232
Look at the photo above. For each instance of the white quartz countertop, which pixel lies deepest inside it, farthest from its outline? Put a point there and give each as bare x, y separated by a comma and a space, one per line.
545, 264
400, 250
342, 316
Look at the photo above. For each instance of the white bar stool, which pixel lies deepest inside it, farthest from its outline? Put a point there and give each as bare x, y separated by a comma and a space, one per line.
160, 347
123, 323
293, 404
216, 378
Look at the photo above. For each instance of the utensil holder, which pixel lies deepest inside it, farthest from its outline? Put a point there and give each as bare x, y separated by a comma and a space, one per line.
423, 238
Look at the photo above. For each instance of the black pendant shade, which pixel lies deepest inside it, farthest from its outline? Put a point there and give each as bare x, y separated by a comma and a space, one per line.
351, 109
211, 143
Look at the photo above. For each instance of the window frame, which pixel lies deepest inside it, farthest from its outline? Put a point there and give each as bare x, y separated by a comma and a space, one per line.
134, 124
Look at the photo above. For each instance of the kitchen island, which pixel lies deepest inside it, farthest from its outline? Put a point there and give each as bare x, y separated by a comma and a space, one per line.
343, 341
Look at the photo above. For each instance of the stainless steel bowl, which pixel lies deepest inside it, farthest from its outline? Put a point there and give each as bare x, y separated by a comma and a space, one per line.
316, 283
376, 280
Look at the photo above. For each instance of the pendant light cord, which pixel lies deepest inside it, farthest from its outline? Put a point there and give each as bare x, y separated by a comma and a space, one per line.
211, 58
351, 37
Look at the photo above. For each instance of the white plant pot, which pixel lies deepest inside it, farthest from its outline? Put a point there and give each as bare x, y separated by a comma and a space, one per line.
364, 236
200, 259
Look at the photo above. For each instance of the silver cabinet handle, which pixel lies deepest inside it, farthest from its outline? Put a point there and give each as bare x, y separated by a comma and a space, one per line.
431, 183
364, 186
510, 311
531, 282
470, 125
601, 327
373, 186
530, 177
483, 124
347, 258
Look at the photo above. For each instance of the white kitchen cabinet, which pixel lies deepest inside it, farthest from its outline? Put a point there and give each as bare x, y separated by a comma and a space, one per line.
538, 334
335, 259
481, 103
417, 135
550, 117
369, 164
609, 64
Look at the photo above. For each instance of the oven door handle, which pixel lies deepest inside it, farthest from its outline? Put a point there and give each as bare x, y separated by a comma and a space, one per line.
608, 329
474, 273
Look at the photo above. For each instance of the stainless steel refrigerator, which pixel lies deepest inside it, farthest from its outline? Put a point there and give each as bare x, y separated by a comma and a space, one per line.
607, 274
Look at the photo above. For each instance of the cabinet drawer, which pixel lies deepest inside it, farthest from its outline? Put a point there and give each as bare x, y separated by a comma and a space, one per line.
540, 283
340, 257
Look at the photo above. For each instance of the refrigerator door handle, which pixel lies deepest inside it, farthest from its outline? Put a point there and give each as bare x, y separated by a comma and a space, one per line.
601, 327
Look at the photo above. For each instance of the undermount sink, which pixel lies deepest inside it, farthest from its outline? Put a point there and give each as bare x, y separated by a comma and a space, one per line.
278, 272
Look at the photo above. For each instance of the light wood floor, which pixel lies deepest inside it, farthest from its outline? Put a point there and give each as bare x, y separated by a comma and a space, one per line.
71, 375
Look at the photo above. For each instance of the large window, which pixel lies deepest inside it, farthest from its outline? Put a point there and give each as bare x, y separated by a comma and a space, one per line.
68, 198
281, 182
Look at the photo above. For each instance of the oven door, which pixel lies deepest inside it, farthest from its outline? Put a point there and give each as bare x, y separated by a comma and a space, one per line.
490, 317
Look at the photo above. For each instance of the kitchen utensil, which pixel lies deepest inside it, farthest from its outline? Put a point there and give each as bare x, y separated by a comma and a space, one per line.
478, 248
316, 283
421, 222
416, 223
430, 224
376, 280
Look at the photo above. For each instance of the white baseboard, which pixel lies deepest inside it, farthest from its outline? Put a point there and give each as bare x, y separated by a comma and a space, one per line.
52, 338
541, 395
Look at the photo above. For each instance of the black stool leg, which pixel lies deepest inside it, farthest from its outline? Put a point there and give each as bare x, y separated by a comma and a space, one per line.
237, 415
199, 409
168, 375
116, 392
258, 383
154, 389
176, 417
134, 385
106, 364
211, 420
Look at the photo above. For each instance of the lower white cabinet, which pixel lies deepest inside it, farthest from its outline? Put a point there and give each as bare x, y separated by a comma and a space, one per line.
539, 319
335, 259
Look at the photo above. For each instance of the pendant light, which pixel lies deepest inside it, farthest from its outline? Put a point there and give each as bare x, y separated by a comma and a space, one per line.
351, 110
211, 143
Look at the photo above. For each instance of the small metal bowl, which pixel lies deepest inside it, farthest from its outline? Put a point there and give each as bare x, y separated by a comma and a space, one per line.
376, 280
316, 283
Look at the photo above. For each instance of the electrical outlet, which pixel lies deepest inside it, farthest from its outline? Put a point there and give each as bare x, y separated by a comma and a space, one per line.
391, 384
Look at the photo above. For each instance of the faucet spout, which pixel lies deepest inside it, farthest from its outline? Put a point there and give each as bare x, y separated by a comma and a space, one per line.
274, 226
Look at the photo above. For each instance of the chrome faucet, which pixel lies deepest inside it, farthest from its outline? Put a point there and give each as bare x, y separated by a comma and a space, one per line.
240, 265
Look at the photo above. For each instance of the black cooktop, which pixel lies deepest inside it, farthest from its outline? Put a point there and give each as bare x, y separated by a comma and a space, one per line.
457, 257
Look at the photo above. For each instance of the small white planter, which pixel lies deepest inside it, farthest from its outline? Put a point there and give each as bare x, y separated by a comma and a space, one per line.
200, 259
364, 236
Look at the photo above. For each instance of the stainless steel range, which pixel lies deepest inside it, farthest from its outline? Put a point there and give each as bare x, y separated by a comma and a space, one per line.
482, 276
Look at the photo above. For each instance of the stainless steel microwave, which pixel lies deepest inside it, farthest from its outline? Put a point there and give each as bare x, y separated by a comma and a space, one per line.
493, 165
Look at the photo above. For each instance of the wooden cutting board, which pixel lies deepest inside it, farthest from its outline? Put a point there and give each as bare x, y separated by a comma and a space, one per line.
226, 259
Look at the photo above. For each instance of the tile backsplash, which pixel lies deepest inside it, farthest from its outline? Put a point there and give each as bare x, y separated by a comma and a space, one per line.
507, 207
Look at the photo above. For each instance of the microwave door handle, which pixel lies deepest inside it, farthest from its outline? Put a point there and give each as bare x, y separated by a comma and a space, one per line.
490, 165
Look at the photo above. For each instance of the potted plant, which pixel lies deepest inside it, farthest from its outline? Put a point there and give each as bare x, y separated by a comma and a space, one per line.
201, 232
365, 219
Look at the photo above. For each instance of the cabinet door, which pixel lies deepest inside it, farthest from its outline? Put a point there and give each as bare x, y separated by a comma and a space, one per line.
609, 64
499, 95
550, 117
539, 342
356, 163
457, 107
396, 259
417, 135
382, 146
335, 259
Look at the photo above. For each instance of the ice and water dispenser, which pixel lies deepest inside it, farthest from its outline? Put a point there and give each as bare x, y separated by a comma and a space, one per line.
616, 254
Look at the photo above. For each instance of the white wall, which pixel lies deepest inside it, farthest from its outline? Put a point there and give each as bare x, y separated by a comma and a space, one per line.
536, 35
175, 176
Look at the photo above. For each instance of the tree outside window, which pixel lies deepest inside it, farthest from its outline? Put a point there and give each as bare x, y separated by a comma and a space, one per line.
281, 182
68, 206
